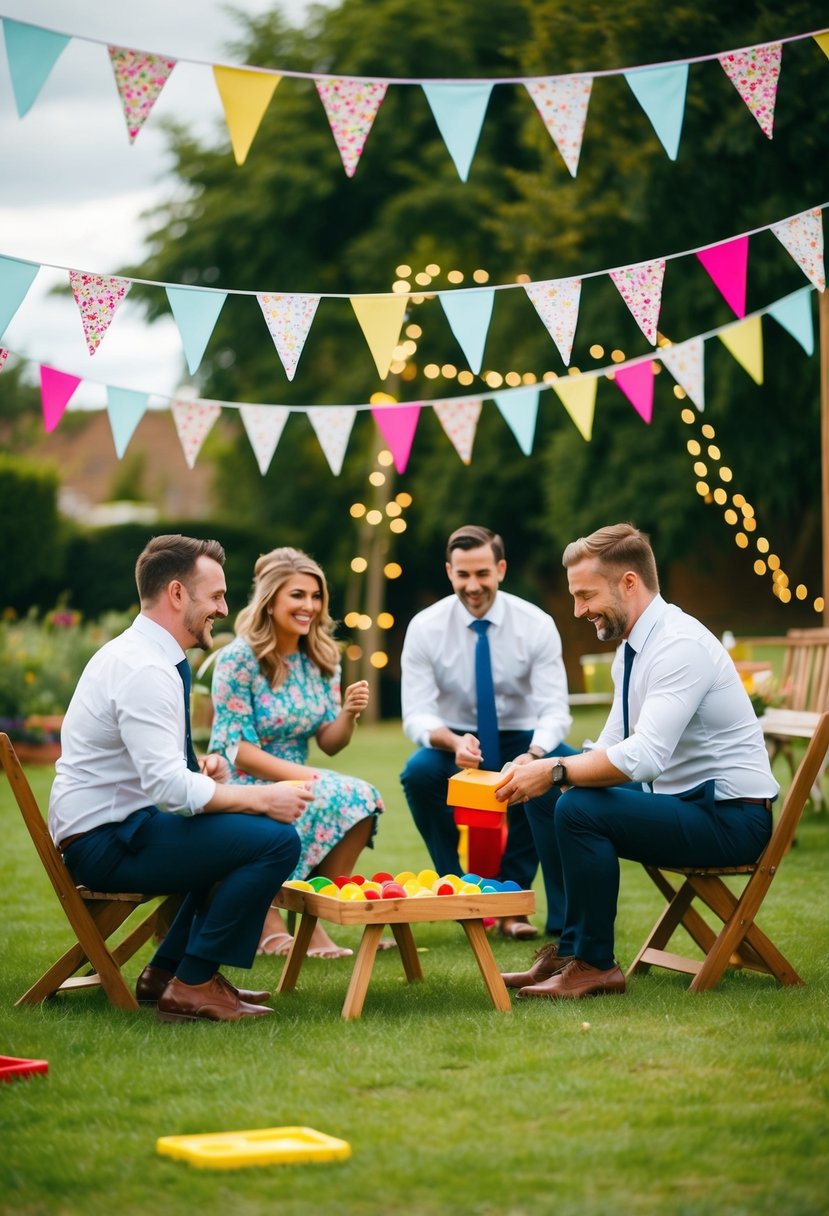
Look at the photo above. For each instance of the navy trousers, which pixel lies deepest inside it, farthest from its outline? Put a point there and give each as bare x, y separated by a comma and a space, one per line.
228, 866
590, 829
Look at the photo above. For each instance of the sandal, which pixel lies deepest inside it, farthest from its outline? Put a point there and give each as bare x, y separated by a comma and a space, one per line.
329, 952
387, 943
517, 928
284, 941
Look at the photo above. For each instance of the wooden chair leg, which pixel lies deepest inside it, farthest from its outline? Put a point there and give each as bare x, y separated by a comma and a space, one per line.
92, 923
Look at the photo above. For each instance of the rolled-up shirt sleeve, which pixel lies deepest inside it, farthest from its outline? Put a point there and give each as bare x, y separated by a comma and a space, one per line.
548, 683
418, 689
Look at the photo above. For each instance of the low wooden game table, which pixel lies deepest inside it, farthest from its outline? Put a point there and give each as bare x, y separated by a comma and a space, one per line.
400, 915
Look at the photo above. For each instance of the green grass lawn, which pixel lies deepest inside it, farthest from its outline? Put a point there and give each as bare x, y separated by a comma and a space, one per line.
667, 1103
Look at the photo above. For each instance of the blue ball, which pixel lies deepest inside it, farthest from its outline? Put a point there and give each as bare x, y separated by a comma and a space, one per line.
471, 878
509, 885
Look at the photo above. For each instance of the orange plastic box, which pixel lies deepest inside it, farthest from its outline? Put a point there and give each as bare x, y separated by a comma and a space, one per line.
474, 788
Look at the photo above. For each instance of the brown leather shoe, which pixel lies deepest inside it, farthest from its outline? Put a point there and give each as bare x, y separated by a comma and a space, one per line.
579, 979
517, 927
546, 962
153, 980
217, 1001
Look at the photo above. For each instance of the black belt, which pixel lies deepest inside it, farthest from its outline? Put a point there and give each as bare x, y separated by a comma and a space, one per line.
766, 802
64, 844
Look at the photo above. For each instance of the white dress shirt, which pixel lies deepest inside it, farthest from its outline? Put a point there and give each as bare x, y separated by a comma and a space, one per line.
691, 720
122, 742
438, 671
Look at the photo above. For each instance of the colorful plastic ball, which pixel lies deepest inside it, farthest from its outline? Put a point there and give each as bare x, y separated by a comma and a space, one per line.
358, 878
469, 888
341, 880
453, 880
404, 876
352, 890
382, 876
331, 891
371, 885
393, 890
476, 878
298, 884
445, 888
510, 885
490, 887
427, 877
318, 882
371, 893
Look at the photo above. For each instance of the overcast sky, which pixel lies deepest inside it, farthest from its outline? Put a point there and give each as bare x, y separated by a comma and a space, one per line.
72, 187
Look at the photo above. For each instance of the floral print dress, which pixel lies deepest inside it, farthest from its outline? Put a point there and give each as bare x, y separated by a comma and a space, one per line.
281, 721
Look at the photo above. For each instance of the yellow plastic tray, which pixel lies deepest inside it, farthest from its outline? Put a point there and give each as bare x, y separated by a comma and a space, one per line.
261, 1146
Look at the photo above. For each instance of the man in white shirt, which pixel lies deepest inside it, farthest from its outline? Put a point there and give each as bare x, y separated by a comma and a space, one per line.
681, 727
441, 710
131, 808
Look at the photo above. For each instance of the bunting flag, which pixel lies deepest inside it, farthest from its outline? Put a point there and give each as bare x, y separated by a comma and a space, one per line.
4, 354
661, 94
381, 318
351, 107
636, 382
469, 313
139, 78
264, 425
289, 320
578, 396
727, 265
397, 424
459, 111
56, 388
640, 287
196, 312
557, 303
245, 96
794, 313
332, 425
459, 420
97, 297
685, 362
15, 280
32, 53
823, 42
519, 409
745, 342
562, 102
802, 237
193, 420
125, 408
754, 74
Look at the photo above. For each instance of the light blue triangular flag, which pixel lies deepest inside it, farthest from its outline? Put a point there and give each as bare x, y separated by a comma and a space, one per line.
15, 280
196, 312
794, 313
459, 112
469, 313
126, 408
32, 53
661, 94
520, 409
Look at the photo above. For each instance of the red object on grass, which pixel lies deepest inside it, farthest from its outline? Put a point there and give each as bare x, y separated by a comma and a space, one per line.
11, 1067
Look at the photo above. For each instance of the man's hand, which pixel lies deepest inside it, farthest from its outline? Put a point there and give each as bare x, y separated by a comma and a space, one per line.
526, 780
468, 752
283, 800
215, 766
355, 698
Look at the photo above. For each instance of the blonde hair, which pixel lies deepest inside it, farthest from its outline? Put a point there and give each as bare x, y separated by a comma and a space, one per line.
255, 623
617, 548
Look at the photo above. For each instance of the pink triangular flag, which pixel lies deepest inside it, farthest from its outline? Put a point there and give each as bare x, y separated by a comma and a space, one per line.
289, 319
754, 73
685, 362
636, 382
4, 354
397, 424
557, 303
727, 265
55, 390
332, 425
139, 78
193, 421
802, 236
351, 107
562, 102
640, 287
264, 425
460, 421
97, 297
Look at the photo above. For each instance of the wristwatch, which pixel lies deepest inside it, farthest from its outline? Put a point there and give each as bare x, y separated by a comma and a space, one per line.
559, 774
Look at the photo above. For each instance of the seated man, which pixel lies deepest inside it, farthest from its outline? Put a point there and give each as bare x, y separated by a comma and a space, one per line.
681, 725
520, 712
132, 809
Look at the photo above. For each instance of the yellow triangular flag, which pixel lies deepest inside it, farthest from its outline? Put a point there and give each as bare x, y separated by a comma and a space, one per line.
745, 341
823, 42
380, 319
578, 396
245, 96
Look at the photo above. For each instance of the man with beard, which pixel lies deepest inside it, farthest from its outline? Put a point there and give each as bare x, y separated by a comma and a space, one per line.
681, 728
443, 699
132, 809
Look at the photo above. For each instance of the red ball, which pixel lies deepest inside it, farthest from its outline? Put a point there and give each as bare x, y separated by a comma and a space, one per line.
446, 888
381, 876
370, 893
341, 880
358, 878
393, 890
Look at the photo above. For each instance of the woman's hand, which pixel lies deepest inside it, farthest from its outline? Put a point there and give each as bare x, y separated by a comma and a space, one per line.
356, 698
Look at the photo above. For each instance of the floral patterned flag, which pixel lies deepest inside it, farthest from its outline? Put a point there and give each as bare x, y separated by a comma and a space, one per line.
351, 107
97, 297
460, 421
685, 362
802, 236
557, 303
562, 102
332, 425
754, 73
288, 319
139, 78
640, 287
4, 354
193, 421
264, 425
636, 382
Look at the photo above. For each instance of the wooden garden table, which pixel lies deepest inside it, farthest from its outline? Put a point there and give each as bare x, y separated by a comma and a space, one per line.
400, 915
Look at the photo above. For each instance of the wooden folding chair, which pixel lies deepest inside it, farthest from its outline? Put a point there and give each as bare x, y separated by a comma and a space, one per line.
740, 942
93, 915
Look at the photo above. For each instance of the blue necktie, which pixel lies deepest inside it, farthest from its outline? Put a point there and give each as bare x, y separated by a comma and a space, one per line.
630, 655
485, 694
183, 669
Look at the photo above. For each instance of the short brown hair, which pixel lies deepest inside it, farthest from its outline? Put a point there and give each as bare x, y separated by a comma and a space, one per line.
166, 558
618, 547
473, 536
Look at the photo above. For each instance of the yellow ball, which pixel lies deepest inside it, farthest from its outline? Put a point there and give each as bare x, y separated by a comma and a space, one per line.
404, 876
412, 886
332, 890
469, 888
298, 884
351, 890
427, 877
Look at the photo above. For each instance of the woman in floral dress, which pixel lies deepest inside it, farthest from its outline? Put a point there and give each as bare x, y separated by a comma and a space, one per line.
275, 686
